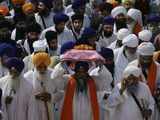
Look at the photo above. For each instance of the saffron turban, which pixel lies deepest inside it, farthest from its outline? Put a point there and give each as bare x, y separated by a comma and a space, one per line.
18, 2
146, 49
118, 10
41, 58
145, 35
27, 7
131, 70
16, 63
122, 33
4, 10
130, 41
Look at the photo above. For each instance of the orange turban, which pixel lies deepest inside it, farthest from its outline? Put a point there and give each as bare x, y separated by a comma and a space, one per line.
41, 58
19, 2
28, 7
4, 10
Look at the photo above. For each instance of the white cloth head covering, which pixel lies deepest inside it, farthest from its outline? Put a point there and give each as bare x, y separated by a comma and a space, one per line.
146, 49
40, 45
122, 33
118, 10
130, 41
136, 15
145, 35
131, 70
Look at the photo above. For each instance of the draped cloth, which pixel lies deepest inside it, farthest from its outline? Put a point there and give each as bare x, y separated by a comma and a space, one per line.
151, 79
67, 109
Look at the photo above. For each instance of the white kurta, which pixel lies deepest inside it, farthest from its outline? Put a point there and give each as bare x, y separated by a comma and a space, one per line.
123, 107
28, 63
135, 63
65, 36
48, 20
3, 71
18, 109
105, 42
121, 63
37, 110
82, 105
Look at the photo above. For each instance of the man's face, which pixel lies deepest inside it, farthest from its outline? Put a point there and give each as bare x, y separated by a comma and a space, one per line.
41, 7
41, 68
60, 27
108, 30
92, 41
131, 50
121, 18
132, 80
53, 44
145, 61
77, 24
33, 36
14, 73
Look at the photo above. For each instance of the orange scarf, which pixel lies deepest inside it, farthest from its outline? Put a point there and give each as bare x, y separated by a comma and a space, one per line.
67, 110
151, 79
137, 29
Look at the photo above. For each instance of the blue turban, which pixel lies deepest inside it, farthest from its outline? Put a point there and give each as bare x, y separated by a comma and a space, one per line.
108, 20
67, 46
78, 3
47, 3
60, 17
16, 63
80, 64
106, 53
88, 32
7, 49
153, 18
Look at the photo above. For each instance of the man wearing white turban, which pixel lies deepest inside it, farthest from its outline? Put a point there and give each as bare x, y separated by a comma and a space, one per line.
145, 36
150, 68
131, 99
122, 33
134, 19
119, 13
125, 55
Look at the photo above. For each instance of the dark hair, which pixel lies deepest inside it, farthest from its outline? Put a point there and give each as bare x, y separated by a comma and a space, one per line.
34, 27
50, 35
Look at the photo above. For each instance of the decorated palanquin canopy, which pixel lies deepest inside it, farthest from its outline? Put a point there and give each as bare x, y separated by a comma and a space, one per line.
82, 53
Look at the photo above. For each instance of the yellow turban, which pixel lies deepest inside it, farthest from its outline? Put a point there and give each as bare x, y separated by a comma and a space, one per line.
41, 58
19, 2
28, 7
4, 10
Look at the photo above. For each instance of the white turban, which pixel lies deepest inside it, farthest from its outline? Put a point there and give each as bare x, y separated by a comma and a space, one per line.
131, 70
145, 35
118, 10
130, 41
146, 49
136, 15
40, 45
122, 33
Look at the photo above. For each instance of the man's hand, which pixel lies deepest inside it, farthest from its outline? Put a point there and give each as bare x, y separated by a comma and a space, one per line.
123, 86
147, 113
44, 96
8, 100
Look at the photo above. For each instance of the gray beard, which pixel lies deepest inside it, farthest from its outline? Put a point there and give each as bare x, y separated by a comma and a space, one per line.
131, 57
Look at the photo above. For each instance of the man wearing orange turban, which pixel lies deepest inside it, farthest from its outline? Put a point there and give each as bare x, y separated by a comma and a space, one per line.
18, 2
28, 8
4, 10
43, 88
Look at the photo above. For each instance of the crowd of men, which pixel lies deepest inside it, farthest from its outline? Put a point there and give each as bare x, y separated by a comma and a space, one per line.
36, 84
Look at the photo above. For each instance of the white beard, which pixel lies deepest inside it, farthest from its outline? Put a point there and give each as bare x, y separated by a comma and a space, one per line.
130, 56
